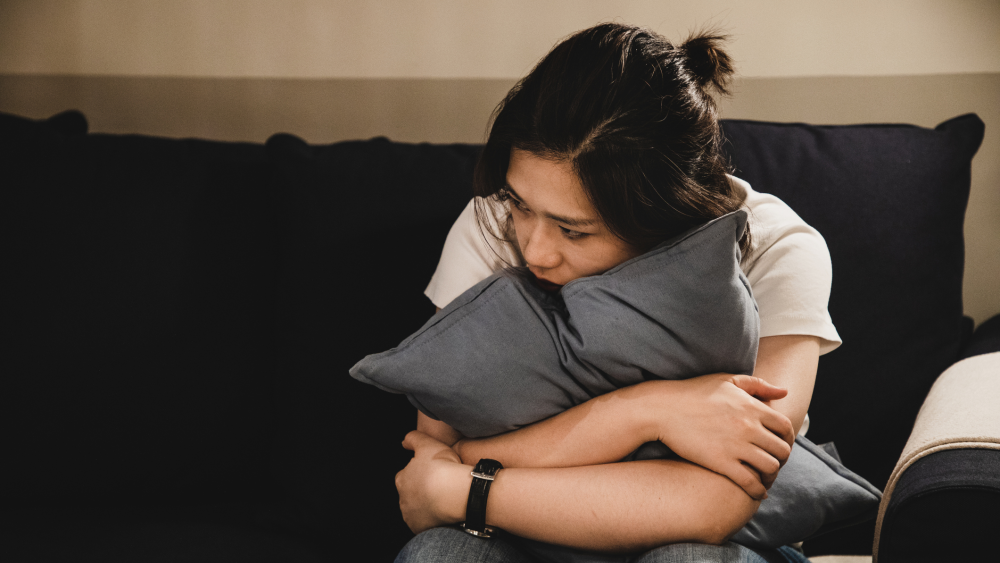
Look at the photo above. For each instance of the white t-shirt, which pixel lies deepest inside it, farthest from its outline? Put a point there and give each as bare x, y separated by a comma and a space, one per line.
789, 268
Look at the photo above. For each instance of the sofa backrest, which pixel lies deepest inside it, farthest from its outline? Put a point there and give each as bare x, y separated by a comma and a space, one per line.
138, 314
183, 312
362, 226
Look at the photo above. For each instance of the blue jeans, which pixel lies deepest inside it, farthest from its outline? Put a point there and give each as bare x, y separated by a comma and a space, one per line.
452, 545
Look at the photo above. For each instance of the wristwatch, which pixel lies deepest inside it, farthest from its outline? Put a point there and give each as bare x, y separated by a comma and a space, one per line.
475, 512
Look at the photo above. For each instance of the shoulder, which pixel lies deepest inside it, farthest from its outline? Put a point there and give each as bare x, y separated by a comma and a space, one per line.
772, 220
469, 256
789, 270
776, 227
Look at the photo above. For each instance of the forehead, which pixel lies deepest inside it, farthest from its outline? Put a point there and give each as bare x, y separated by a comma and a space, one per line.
549, 187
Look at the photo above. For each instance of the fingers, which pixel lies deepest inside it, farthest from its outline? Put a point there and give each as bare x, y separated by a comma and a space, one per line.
767, 479
769, 456
408, 441
748, 480
764, 464
425, 446
416, 439
772, 449
769, 448
778, 424
778, 442
759, 388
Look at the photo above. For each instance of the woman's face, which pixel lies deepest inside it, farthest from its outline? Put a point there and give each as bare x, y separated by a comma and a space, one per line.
558, 230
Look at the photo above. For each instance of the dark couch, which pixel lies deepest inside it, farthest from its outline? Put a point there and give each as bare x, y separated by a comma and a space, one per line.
180, 315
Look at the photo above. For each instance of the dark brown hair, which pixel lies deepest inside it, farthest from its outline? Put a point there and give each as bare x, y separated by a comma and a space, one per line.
634, 116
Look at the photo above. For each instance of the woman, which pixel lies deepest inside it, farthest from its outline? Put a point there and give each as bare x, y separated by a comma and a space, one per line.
608, 147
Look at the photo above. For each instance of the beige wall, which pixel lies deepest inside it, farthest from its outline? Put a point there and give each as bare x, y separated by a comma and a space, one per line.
414, 71
479, 39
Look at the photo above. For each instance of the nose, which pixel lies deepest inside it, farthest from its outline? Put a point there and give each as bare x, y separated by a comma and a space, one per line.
541, 249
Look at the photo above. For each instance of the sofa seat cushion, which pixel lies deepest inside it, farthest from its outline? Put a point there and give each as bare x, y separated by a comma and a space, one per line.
151, 533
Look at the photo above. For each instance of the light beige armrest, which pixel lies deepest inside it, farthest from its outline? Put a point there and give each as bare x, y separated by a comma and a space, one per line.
962, 411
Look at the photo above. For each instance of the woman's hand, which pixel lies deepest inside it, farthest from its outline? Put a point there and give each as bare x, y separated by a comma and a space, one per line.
434, 485
723, 423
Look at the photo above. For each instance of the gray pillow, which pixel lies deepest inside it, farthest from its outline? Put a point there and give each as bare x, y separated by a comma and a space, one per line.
506, 353
813, 494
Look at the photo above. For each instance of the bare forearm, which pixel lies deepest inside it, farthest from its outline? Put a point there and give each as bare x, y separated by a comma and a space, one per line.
619, 507
790, 361
602, 430
608, 428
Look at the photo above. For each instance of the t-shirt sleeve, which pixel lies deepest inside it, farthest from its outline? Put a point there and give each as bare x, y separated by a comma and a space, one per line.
789, 271
467, 259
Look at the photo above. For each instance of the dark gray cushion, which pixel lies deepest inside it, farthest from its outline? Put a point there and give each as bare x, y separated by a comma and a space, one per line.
506, 354
813, 494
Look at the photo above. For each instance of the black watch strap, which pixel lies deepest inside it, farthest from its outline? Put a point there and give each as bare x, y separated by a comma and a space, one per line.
475, 511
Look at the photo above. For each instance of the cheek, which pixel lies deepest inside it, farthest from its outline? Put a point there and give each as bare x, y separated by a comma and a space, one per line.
586, 260
521, 227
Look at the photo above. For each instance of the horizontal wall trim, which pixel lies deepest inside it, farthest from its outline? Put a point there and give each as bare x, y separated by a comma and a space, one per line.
444, 110
740, 76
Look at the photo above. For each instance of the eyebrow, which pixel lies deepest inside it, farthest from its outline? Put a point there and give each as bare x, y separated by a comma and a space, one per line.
568, 220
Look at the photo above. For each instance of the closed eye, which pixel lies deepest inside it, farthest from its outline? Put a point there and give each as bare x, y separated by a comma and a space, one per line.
570, 234
518, 204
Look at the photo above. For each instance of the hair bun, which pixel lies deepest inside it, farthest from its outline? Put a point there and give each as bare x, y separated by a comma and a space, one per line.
707, 62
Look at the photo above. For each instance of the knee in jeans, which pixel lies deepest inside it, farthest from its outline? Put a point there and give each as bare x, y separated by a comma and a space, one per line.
451, 545
701, 553
430, 545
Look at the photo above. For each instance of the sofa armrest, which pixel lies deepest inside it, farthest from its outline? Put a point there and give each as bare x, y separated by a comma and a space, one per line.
941, 498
